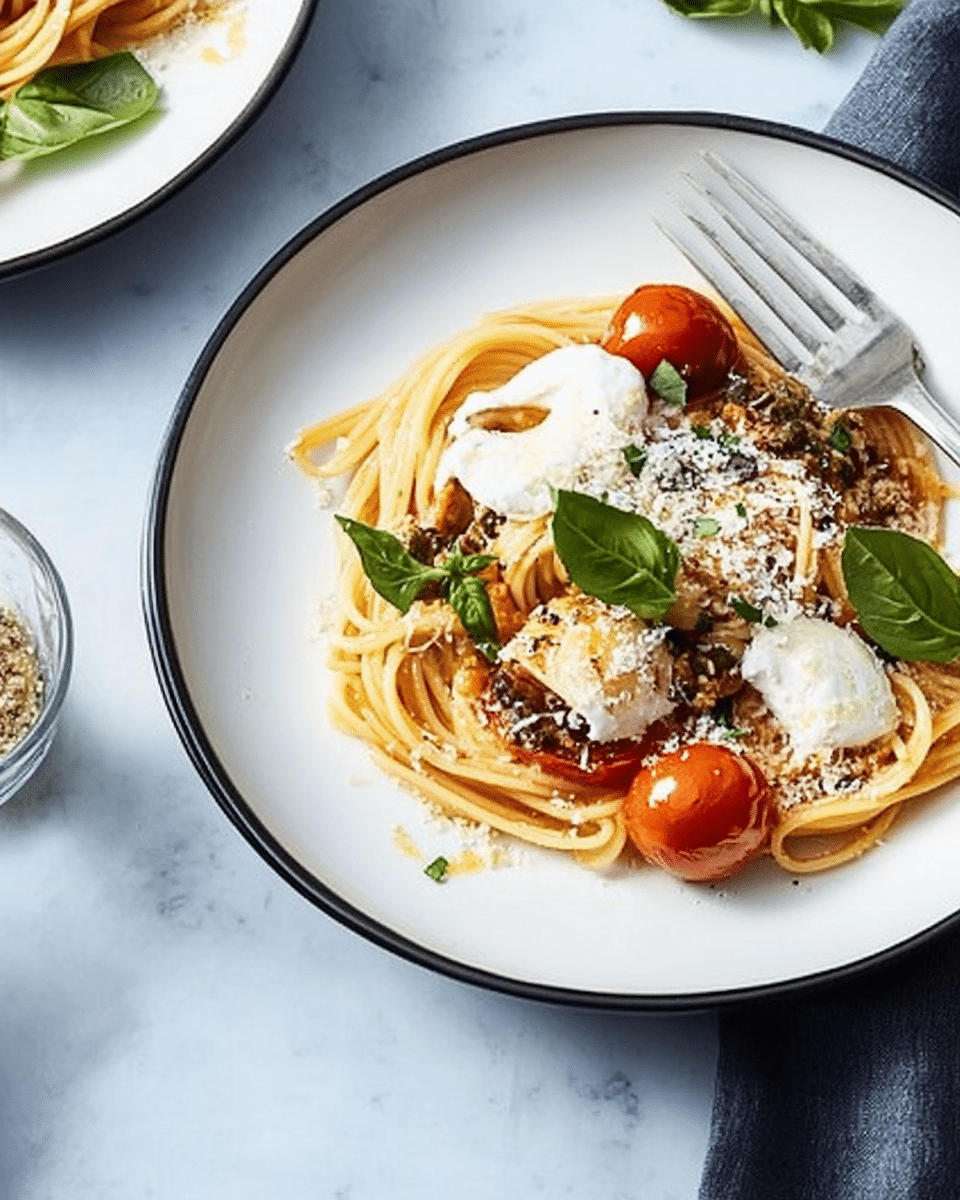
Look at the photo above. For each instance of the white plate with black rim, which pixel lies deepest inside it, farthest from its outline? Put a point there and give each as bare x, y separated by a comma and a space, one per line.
238, 557
214, 76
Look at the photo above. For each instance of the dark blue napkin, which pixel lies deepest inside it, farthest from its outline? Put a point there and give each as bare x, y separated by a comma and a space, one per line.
853, 1092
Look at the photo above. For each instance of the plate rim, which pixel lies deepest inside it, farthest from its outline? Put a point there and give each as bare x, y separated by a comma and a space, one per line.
32, 260
173, 686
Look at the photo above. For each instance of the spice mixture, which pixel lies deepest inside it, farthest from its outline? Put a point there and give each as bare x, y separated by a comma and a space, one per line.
21, 683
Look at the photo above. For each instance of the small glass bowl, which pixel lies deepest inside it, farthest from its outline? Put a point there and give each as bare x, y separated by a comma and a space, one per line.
32, 587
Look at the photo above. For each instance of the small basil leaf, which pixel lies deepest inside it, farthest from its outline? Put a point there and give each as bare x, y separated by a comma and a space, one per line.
669, 384
619, 557
874, 15
469, 600
64, 105
457, 564
392, 570
906, 597
813, 29
711, 8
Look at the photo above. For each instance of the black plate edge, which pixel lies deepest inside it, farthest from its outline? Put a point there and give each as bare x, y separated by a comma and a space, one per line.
25, 263
173, 686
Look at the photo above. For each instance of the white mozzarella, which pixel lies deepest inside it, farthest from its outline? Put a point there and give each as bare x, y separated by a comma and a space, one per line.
610, 667
596, 402
822, 683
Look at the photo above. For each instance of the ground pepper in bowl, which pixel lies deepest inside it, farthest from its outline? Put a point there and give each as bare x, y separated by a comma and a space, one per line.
21, 681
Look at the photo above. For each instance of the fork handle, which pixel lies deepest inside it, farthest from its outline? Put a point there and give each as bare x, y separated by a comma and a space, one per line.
914, 401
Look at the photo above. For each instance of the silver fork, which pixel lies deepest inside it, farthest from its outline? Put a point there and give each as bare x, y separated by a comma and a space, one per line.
822, 323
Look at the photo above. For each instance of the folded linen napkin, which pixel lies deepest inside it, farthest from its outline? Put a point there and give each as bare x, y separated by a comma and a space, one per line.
853, 1092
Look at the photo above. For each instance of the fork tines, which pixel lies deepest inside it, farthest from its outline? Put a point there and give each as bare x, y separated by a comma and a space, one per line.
790, 290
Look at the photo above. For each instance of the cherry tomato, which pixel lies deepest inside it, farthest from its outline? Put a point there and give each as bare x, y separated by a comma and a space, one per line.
610, 766
668, 321
700, 812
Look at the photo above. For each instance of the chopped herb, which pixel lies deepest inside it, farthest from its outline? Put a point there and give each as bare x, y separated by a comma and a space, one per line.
706, 527
750, 612
702, 432
723, 715
636, 458
437, 870
840, 437
703, 623
728, 440
741, 510
743, 608
669, 384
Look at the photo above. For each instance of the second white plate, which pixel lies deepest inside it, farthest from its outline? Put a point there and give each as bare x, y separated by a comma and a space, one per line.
214, 75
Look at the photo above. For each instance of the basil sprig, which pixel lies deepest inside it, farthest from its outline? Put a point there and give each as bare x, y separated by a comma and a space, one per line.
619, 557
64, 105
400, 578
812, 22
906, 597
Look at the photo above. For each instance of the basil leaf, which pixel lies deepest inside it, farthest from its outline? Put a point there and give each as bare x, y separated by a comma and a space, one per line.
64, 105
812, 29
873, 15
711, 8
906, 597
619, 557
636, 458
469, 600
669, 384
392, 570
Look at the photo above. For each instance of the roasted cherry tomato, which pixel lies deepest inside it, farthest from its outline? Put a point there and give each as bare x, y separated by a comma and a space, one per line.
610, 766
668, 321
700, 812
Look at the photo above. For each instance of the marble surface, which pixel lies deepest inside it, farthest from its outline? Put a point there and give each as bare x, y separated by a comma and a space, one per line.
174, 1021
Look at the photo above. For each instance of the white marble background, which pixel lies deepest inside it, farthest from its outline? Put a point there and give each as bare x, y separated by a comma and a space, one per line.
175, 1023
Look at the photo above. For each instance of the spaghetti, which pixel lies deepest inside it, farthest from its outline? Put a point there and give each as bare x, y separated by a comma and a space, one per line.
40, 33
415, 687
